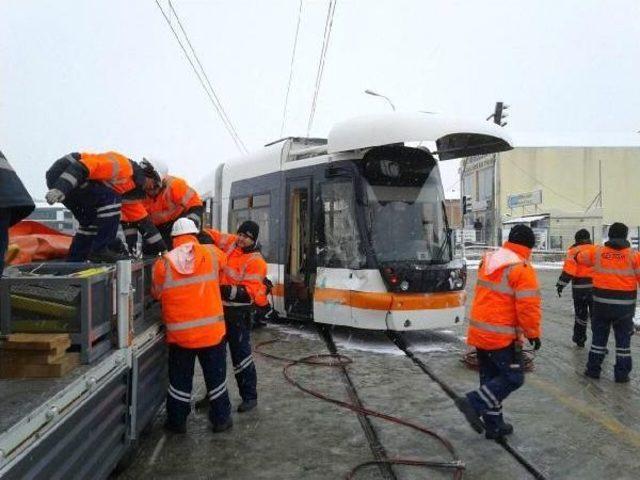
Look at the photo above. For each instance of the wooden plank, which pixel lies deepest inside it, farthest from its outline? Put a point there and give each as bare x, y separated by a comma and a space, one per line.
58, 369
37, 341
34, 357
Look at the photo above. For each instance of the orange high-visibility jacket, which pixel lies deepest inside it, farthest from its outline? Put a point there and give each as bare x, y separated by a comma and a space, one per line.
111, 168
506, 304
186, 281
616, 273
175, 198
243, 269
579, 275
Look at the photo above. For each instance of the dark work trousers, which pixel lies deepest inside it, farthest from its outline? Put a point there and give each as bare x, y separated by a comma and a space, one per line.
5, 218
238, 320
501, 372
213, 361
165, 231
606, 316
583, 308
97, 209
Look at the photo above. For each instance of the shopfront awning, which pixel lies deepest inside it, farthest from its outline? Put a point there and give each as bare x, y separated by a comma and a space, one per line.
529, 219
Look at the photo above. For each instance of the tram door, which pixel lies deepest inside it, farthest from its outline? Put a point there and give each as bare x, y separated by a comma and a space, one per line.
300, 268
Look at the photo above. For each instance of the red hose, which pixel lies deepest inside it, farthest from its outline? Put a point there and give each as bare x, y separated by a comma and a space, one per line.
338, 361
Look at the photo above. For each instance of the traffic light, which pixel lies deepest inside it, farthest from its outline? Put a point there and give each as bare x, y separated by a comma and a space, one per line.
466, 204
499, 114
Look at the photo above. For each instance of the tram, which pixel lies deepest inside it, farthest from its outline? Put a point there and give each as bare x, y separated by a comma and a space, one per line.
353, 227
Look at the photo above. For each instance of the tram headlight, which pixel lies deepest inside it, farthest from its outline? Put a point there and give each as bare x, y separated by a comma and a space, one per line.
457, 278
404, 285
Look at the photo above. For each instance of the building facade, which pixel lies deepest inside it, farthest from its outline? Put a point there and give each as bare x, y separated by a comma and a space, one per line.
54, 216
555, 190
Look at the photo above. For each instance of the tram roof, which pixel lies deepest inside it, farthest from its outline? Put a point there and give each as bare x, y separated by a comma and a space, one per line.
454, 137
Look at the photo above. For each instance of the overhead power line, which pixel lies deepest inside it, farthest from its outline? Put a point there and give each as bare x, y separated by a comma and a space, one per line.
323, 53
293, 57
215, 101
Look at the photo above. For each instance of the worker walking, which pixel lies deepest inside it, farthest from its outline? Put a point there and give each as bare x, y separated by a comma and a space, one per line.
15, 204
243, 288
616, 275
506, 308
186, 281
92, 186
580, 278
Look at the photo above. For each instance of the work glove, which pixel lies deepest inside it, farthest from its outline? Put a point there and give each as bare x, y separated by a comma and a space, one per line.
559, 288
535, 342
54, 196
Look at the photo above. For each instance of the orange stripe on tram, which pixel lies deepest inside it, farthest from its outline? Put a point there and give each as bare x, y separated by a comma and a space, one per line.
385, 300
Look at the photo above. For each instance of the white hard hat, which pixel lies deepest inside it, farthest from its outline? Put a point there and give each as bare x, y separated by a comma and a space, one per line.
158, 165
183, 226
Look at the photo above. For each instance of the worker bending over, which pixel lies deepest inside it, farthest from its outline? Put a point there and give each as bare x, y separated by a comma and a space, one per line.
93, 187
167, 198
506, 307
15, 204
186, 281
243, 288
581, 286
616, 275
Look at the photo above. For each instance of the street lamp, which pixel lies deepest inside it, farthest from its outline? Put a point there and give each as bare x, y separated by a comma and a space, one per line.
371, 92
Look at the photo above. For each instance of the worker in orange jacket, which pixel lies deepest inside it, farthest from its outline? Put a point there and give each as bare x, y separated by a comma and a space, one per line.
580, 278
186, 281
93, 186
243, 289
506, 308
170, 198
616, 276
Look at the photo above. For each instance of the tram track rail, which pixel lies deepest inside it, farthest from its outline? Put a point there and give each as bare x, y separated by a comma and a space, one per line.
335, 359
400, 342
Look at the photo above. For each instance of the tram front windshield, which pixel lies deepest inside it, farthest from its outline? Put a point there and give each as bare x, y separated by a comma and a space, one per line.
404, 205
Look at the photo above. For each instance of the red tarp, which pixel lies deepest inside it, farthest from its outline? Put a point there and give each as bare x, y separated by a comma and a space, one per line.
37, 242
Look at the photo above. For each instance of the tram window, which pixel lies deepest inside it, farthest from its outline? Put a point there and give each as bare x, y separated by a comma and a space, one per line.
260, 201
240, 203
340, 246
254, 208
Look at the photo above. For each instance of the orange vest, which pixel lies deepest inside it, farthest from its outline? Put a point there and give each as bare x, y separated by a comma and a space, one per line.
191, 303
111, 168
616, 274
578, 274
246, 269
506, 305
175, 198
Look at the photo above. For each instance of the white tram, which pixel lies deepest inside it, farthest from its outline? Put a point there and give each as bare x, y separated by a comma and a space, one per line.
353, 227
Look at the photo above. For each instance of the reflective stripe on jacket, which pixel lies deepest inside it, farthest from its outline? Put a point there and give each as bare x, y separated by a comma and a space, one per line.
111, 168
506, 305
616, 273
580, 276
175, 198
243, 269
191, 303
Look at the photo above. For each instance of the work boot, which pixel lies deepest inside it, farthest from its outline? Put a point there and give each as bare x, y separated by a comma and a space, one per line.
622, 379
258, 324
590, 374
247, 405
175, 428
470, 414
501, 431
222, 427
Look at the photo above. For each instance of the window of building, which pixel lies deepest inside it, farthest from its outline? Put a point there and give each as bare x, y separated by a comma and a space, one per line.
257, 209
339, 236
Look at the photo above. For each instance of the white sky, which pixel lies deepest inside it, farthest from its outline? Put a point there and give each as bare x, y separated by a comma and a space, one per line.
108, 74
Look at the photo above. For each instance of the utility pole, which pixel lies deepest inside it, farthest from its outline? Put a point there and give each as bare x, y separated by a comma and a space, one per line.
498, 116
